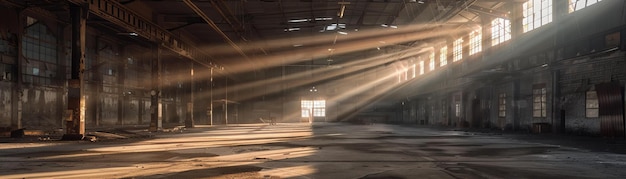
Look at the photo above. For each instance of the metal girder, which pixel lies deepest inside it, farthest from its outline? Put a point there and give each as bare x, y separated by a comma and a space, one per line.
461, 5
210, 22
487, 11
130, 21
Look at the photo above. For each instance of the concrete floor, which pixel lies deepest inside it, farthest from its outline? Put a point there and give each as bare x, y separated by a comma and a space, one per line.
305, 151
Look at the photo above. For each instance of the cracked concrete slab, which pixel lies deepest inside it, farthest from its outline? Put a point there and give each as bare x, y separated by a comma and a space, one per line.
299, 150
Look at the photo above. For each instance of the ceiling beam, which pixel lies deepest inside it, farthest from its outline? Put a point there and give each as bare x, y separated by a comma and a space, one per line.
488, 11
130, 21
208, 20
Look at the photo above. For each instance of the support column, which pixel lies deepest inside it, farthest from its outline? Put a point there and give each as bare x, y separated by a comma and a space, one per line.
75, 120
155, 109
189, 121
226, 103
17, 92
211, 100
517, 28
558, 121
516, 103
486, 34
140, 110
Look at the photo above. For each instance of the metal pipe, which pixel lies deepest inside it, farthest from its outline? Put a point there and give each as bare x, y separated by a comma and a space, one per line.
211, 94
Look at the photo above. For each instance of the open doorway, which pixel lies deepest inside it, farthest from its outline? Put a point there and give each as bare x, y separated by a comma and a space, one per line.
313, 109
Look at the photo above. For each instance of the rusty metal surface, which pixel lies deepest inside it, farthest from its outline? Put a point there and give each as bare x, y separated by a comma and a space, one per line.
611, 110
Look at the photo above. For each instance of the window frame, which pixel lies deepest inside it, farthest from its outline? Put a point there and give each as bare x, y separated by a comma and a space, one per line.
533, 18
421, 63
594, 106
573, 4
40, 47
539, 100
475, 41
457, 50
431, 61
500, 31
502, 105
318, 106
443, 56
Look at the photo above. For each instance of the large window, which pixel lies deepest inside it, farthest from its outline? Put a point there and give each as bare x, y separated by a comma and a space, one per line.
421, 67
431, 61
539, 101
575, 5
39, 47
8, 48
109, 70
317, 107
413, 67
500, 31
475, 41
502, 105
536, 13
443, 56
591, 106
457, 52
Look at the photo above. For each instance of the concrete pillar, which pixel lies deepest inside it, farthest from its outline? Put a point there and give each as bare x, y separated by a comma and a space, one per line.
140, 109
75, 116
517, 15
17, 92
226, 103
155, 105
486, 34
556, 98
516, 104
189, 121
211, 99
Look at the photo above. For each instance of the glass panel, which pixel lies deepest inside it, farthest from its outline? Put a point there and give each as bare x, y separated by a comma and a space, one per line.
592, 113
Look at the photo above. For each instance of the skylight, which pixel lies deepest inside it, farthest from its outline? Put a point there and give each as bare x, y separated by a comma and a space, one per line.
323, 18
299, 20
292, 29
389, 26
334, 26
309, 20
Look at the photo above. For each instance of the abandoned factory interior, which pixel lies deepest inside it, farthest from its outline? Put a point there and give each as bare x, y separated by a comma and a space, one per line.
312, 88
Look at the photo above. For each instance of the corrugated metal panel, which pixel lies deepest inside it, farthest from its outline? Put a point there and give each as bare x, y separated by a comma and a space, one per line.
611, 109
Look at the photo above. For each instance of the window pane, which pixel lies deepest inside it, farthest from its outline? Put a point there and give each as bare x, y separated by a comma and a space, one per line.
536, 13
443, 56
305, 113
592, 113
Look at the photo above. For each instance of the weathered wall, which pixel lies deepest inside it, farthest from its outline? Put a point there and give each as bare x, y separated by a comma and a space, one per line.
42, 107
571, 50
5, 103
